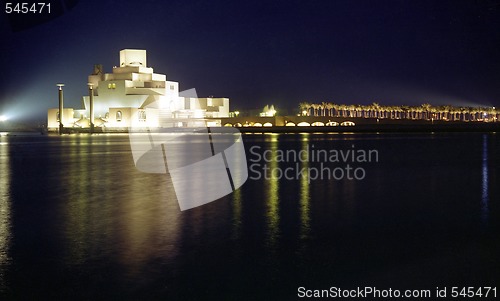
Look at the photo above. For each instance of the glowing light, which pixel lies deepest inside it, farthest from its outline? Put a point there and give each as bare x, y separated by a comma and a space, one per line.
349, 123
318, 123
3, 118
268, 111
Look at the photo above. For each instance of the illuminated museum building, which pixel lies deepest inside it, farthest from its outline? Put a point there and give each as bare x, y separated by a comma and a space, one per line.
134, 96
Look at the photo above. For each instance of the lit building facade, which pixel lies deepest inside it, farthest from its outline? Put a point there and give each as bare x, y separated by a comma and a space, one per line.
134, 96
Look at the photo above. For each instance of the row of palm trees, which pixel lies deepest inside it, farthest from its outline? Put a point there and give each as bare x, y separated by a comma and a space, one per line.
422, 112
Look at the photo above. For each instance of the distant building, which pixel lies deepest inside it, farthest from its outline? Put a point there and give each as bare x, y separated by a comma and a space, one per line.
134, 96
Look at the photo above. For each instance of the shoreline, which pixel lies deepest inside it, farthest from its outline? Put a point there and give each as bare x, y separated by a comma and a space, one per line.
452, 127
381, 128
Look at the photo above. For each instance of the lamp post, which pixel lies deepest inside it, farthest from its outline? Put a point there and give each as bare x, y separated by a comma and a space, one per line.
91, 100
61, 107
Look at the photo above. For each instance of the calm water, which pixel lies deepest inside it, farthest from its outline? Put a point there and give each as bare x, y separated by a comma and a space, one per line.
78, 221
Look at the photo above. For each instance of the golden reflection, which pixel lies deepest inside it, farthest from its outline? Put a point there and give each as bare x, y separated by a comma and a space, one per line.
305, 217
272, 189
148, 219
236, 172
114, 209
271, 137
237, 208
77, 207
5, 219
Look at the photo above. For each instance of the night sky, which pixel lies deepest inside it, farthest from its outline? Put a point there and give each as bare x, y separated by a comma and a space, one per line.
264, 52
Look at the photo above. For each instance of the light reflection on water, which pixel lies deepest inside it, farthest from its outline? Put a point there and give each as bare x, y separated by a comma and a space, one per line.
484, 174
304, 197
237, 211
115, 204
5, 215
80, 213
272, 200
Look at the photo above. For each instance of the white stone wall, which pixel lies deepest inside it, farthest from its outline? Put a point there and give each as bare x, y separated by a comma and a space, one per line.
133, 56
52, 118
133, 87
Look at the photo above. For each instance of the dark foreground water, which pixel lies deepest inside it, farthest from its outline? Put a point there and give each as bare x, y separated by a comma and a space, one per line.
78, 221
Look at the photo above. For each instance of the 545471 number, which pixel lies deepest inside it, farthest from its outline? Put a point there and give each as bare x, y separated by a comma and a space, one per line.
27, 8
473, 292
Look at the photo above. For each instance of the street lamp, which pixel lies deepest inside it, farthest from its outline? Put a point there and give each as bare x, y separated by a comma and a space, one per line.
91, 100
61, 107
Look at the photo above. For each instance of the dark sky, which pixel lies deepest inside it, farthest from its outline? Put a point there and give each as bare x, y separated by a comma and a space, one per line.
265, 52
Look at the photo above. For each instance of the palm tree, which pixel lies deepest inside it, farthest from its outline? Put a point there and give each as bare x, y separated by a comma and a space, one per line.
440, 112
351, 109
491, 114
324, 107
304, 108
313, 109
463, 113
399, 110
376, 108
329, 107
426, 109
358, 109
433, 111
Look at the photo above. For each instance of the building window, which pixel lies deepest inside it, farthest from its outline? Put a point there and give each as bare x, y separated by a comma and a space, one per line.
172, 87
119, 116
111, 86
142, 115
